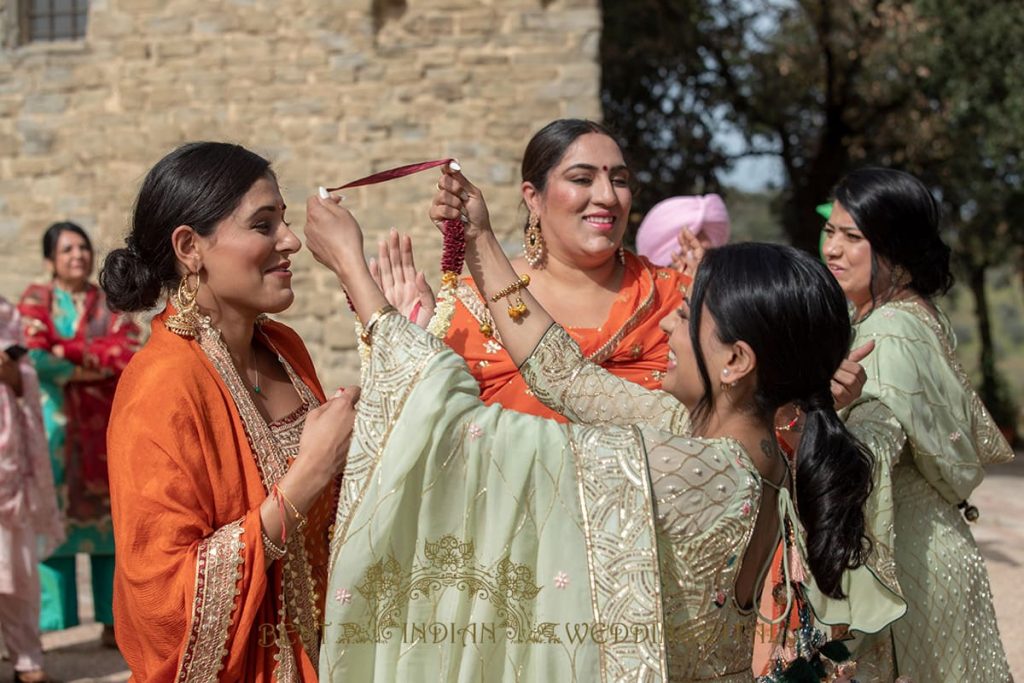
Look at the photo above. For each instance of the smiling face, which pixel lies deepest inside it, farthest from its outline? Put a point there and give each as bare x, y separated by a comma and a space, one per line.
245, 259
682, 378
72, 260
584, 207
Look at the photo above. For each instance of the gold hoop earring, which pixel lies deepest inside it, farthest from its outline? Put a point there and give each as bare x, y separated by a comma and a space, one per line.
186, 321
534, 248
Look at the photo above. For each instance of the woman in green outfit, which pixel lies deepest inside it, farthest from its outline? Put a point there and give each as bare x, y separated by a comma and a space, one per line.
79, 348
475, 543
882, 244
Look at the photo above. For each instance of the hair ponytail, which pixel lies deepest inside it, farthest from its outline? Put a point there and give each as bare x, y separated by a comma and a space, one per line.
833, 481
792, 312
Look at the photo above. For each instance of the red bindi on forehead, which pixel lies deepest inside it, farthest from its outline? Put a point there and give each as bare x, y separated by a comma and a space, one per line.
604, 168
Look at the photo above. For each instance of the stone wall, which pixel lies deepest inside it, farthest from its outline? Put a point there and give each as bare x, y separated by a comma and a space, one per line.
328, 89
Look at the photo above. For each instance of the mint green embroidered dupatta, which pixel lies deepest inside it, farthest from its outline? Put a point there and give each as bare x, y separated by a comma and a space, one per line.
479, 544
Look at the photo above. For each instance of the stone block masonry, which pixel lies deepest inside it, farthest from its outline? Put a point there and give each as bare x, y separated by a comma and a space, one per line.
329, 90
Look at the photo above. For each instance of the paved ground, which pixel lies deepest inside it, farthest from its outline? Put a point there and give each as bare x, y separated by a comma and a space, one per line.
75, 655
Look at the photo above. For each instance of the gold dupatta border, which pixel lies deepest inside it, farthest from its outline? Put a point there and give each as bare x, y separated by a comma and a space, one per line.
615, 489
218, 563
298, 599
992, 446
379, 404
605, 351
478, 309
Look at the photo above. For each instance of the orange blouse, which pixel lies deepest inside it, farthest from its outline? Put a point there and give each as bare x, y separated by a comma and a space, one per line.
629, 343
191, 460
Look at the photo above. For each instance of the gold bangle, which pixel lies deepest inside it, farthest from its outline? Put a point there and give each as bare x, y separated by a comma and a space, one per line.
295, 511
523, 281
367, 334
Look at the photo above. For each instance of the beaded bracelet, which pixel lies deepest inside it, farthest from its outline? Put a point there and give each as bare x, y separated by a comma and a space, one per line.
366, 335
517, 307
273, 552
522, 281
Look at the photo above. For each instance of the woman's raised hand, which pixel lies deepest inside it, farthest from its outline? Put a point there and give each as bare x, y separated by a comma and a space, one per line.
691, 253
327, 434
405, 288
848, 382
457, 198
333, 235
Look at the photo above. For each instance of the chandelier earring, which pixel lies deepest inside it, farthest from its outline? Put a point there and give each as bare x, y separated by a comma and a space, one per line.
533, 243
186, 320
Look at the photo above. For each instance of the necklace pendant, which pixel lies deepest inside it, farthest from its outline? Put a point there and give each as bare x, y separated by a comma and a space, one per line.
256, 389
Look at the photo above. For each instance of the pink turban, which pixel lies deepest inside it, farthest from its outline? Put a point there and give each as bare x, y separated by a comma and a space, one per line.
705, 214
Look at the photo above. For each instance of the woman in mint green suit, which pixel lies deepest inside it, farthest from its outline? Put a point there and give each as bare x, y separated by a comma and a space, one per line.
882, 244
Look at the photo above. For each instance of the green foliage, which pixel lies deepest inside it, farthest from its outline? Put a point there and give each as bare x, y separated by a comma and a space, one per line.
935, 87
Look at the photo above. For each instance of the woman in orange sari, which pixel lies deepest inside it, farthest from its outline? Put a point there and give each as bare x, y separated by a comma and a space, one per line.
576, 187
224, 455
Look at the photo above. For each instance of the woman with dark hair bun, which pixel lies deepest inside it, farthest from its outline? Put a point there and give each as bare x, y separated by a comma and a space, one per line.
882, 244
650, 518
224, 454
79, 347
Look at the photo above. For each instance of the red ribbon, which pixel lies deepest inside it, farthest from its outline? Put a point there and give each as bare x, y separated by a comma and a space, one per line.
392, 173
454, 251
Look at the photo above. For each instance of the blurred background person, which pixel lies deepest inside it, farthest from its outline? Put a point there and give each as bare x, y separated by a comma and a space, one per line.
703, 216
78, 347
30, 525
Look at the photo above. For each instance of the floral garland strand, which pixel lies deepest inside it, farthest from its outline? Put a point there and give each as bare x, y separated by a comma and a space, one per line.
453, 257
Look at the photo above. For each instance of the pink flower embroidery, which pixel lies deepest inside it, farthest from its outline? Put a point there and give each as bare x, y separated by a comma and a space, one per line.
745, 508
343, 596
561, 580
475, 432
720, 598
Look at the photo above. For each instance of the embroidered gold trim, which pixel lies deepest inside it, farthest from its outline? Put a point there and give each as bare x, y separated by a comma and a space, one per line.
614, 485
218, 571
380, 403
298, 596
602, 354
477, 307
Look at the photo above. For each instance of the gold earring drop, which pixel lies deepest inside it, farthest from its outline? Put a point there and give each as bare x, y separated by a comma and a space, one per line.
534, 248
186, 320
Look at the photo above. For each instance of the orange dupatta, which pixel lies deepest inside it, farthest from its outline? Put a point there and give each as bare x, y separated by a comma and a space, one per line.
629, 344
194, 597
